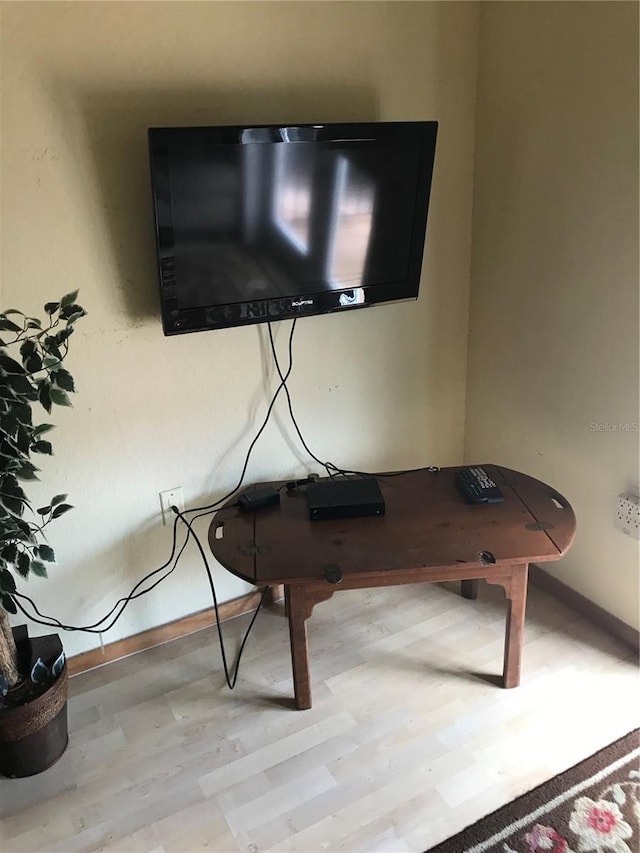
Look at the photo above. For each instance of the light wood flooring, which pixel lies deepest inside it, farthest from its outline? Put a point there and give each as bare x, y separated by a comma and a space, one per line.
407, 742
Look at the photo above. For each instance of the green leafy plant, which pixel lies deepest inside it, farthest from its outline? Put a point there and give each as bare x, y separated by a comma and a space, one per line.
32, 352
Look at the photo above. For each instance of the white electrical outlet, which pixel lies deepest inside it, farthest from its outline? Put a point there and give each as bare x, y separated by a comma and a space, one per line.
169, 498
628, 514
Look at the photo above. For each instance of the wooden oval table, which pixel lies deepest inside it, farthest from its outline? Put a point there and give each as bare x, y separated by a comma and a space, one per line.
428, 535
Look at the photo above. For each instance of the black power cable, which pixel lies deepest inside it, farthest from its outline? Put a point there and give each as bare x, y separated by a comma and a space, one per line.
98, 627
329, 467
230, 679
207, 510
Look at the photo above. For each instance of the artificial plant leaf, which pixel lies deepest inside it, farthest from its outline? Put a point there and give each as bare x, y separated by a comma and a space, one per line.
58, 499
22, 563
51, 307
20, 535
39, 568
46, 552
5, 525
8, 531
26, 534
63, 379
44, 395
8, 604
27, 471
6, 392
7, 583
33, 363
9, 448
9, 424
27, 348
9, 451
22, 412
8, 482
12, 311
59, 397
10, 487
51, 346
58, 665
7, 464
44, 510
21, 385
50, 361
33, 323
9, 553
42, 447
40, 673
8, 325
42, 428
9, 365
63, 334
23, 526
61, 509
70, 311
23, 439
69, 298
11, 505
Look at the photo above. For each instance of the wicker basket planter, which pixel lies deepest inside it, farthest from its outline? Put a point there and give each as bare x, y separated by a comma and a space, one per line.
33, 736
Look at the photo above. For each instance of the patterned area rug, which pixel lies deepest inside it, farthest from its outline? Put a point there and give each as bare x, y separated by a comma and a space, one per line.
594, 806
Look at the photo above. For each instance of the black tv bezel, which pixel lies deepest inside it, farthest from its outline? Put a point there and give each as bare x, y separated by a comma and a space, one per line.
176, 321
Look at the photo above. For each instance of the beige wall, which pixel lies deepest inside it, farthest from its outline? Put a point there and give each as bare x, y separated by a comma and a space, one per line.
553, 348
379, 388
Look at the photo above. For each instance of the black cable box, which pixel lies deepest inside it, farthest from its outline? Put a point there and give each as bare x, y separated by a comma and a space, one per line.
344, 499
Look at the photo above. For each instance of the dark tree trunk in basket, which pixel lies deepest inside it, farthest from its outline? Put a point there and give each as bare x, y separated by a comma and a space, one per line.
34, 736
23, 647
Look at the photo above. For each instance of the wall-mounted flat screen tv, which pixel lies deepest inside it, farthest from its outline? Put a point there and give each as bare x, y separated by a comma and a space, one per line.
258, 223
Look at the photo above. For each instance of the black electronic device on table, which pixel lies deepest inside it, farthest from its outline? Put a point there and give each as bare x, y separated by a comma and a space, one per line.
256, 223
352, 498
477, 487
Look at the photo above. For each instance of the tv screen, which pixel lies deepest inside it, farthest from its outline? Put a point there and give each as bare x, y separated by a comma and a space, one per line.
258, 223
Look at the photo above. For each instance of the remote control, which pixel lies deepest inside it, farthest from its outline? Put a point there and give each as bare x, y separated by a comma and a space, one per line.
477, 487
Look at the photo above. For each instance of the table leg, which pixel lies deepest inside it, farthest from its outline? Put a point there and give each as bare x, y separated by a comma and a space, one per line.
296, 605
469, 589
515, 587
515, 627
300, 599
274, 594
